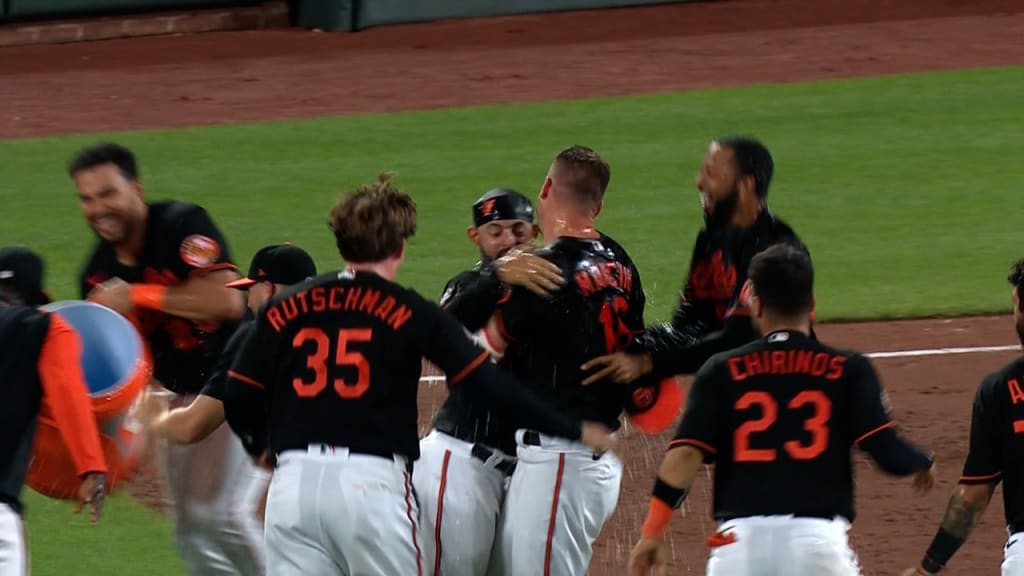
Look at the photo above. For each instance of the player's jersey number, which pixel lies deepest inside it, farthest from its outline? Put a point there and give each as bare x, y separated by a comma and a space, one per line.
317, 362
616, 332
816, 425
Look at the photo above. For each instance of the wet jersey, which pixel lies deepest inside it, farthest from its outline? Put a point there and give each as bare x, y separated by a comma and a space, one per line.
181, 241
779, 417
997, 438
597, 311
338, 362
711, 316
214, 387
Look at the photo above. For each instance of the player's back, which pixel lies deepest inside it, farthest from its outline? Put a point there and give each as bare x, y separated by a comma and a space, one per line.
349, 356
790, 413
597, 312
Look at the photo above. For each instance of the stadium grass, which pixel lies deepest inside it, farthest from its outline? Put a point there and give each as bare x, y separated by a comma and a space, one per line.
903, 187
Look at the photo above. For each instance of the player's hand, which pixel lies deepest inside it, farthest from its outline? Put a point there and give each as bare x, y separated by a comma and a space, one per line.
924, 480
519, 268
620, 368
596, 436
153, 403
92, 493
647, 554
115, 294
915, 572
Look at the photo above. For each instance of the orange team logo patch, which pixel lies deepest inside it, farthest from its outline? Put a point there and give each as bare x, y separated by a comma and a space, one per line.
643, 398
199, 251
488, 208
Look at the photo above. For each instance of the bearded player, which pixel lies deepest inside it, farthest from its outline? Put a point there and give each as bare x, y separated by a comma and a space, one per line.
711, 316
166, 265
996, 455
330, 375
561, 492
467, 457
778, 417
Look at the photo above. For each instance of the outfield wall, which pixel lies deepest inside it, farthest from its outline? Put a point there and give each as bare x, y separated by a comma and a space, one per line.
333, 15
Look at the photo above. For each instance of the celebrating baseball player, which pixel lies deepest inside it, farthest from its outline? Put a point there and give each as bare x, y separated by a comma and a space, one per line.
996, 454
779, 417
330, 372
711, 317
562, 492
41, 367
467, 457
165, 265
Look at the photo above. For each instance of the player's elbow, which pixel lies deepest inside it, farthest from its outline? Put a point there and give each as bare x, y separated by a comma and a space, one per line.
230, 305
976, 495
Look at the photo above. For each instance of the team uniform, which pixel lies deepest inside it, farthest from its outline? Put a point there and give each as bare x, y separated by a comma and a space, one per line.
42, 376
330, 377
561, 492
779, 417
205, 479
711, 316
997, 440
466, 459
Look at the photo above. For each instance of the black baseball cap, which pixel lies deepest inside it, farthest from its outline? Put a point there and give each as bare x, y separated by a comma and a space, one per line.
502, 204
280, 264
22, 269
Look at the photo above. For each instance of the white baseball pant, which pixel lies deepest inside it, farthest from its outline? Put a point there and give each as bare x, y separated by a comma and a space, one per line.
216, 489
13, 554
460, 498
560, 497
332, 512
773, 545
1013, 555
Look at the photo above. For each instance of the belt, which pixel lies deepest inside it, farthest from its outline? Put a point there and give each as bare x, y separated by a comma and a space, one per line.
485, 454
326, 448
1014, 527
532, 438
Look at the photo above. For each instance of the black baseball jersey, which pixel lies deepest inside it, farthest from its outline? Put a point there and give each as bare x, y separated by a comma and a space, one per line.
597, 311
779, 417
711, 316
472, 297
997, 438
337, 361
181, 240
218, 379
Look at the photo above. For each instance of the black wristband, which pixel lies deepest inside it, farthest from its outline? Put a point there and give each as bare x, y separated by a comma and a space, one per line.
670, 495
943, 546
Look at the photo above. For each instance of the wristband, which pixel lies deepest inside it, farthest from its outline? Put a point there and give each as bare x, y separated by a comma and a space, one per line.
664, 500
148, 296
943, 546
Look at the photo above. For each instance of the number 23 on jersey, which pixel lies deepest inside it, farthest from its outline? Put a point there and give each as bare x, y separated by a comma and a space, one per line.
815, 425
319, 346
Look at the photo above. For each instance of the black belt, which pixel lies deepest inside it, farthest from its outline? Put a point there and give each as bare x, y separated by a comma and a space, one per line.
484, 454
532, 438
369, 452
1014, 527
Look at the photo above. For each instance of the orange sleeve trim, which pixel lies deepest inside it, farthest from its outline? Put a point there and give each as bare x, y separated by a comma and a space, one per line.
148, 296
501, 327
212, 268
871, 433
659, 516
245, 380
490, 341
469, 368
691, 442
66, 395
977, 479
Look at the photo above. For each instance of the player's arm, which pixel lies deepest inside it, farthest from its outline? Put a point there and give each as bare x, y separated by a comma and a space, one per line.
971, 496
512, 320
874, 430
472, 296
66, 394
245, 392
694, 444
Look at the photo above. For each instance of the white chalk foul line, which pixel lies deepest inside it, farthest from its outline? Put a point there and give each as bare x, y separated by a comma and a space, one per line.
891, 354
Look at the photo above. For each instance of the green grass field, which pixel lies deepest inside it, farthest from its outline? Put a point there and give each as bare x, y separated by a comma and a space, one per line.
903, 188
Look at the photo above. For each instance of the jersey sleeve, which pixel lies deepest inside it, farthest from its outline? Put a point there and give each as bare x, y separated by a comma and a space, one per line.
984, 458
472, 297
218, 378
66, 394
702, 418
515, 316
871, 410
448, 345
197, 245
245, 390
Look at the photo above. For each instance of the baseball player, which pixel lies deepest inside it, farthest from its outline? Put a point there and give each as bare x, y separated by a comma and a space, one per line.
467, 457
39, 358
562, 492
331, 372
779, 417
165, 265
996, 455
711, 317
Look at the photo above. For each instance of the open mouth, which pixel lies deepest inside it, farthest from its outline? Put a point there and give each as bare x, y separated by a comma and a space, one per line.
107, 225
